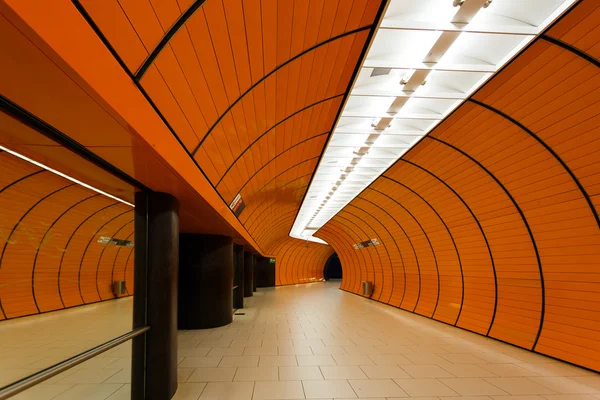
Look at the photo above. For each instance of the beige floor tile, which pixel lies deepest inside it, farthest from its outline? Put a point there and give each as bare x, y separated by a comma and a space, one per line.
278, 390
467, 370
228, 391
472, 387
226, 351
520, 386
122, 376
328, 389
89, 391
424, 387
337, 342
200, 362
376, 388
427, 359
277, 342
89, 376
295, 351
393, 349
212, 375
324, 350
307, 342
278, 361
508, 370
426, 371
384, 372
361, 349
564, 385
300, 373
261, 351
193, 352
569, 397
43, 392
239, 361
315, 360
524, 397
592, 380
360, 359
343, 372
124, 393
389, 359
183, 373
457, 358
251, 374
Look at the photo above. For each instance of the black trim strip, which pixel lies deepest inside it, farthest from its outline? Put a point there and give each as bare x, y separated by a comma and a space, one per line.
67, 246
571, 48
278, 155
166, 38
269, 130
456, 247
86, 249
361, 58
395, 244
535, 248
102, 253
27, 118
437, 268
42, 241
409, 241
271, 73
549, 149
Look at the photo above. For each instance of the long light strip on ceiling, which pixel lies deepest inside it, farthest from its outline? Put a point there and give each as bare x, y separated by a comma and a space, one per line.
39, 164
426, 58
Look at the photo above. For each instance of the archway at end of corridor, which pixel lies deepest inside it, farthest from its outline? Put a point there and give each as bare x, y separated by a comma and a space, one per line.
333, 268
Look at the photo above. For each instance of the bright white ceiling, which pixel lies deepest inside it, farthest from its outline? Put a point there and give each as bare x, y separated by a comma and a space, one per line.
426, 57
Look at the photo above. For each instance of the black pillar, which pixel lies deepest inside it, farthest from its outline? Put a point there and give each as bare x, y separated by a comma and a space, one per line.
238, 276
205, 281
254, 258
248, 274
154, 366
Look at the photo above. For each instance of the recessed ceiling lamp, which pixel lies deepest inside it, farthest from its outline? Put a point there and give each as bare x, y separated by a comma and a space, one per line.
425, 59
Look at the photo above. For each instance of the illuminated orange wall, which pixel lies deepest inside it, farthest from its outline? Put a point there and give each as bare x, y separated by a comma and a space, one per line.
298, 263
491, 222
50, 257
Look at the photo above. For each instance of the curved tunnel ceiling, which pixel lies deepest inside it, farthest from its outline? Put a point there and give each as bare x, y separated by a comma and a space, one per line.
491, 222
251, 89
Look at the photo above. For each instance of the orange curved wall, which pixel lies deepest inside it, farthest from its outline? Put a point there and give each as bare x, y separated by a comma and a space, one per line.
298, 263
50, 257
491, 223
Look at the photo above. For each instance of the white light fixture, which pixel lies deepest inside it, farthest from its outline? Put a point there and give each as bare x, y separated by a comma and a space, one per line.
39, 164
426, 58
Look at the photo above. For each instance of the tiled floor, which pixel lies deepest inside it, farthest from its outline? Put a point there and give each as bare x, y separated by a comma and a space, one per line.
317, 342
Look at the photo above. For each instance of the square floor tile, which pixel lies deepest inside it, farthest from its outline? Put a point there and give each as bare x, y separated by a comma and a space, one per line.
360, 359
295, 351
564, 385
261, 351
427, 359
343, 372
278, 390
212, 375
384, 372
251, 374
389, 359
328, 389
300, 373
361, 349
189, 391
198, 362
43, 392
424, 387
277, 361
228, 391
427, 371
239, 361
328, 350
508, 370
89, 376
315, 360
225, 351
472, 387
457, 358
377, 388
467, 371
516, 386
89, 391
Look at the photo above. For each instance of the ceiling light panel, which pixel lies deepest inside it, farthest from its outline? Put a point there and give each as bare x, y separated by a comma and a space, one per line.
426, 58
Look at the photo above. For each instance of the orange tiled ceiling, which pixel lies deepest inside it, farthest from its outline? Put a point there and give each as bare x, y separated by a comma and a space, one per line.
251, 88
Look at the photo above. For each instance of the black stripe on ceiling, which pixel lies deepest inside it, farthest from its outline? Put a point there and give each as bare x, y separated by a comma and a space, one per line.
585, 194
167, 37
525, 222
572, 49
271, 73
27, 118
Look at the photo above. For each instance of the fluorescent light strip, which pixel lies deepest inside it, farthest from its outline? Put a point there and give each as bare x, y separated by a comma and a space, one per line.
39, 164
417, 72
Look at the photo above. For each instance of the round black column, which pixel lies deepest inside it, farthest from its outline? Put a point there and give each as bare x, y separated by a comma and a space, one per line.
248, 274
205, 281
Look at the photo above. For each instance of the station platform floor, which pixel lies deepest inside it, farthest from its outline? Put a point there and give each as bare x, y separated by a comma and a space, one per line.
310, 341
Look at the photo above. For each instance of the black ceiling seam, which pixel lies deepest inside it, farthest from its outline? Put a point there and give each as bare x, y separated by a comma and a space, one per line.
566, 46
523, 218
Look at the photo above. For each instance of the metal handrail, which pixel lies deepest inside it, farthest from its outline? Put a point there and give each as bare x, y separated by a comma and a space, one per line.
41, 376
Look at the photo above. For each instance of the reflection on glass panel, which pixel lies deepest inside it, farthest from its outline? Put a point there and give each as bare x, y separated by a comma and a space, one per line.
66, 273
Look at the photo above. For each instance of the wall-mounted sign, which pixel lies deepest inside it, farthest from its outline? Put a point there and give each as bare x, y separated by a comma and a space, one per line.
272, 261
118, 242
237, 205
368, 243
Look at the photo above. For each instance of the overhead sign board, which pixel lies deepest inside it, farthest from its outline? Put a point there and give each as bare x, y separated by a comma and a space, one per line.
368, 243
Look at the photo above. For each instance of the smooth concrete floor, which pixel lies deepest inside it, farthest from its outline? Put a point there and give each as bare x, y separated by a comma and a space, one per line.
314, 341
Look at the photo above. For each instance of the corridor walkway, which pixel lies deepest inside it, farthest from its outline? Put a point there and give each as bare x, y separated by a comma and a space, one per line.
314, 341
